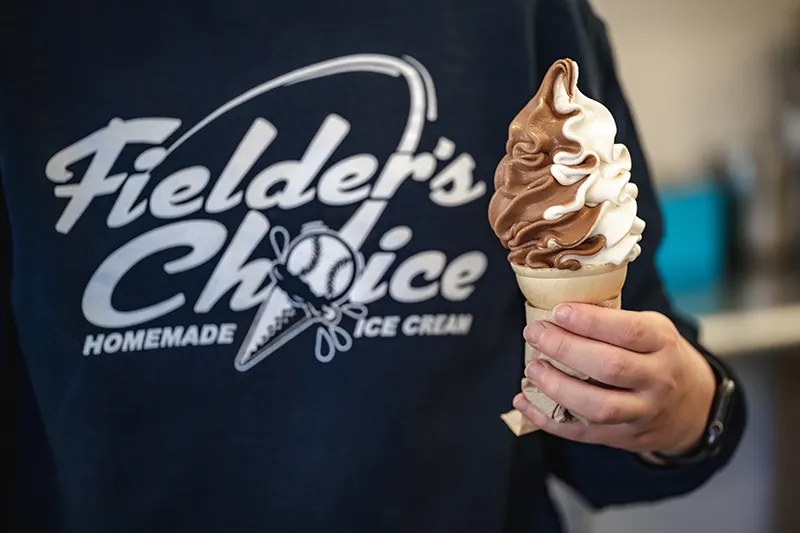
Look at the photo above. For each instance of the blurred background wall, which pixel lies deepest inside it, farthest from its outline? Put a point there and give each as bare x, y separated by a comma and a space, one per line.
700, 74
715, 87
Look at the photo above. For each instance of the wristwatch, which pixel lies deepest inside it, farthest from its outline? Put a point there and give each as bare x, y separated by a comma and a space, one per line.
718, 417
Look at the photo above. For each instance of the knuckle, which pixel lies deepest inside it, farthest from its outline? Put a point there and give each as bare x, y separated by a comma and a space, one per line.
643, 441
672, 338
667, 383
669, 338
532, 414
652, 412
614, 368
607, 413
551, 387
663, 326
589, 323
656, 318
632, 333
664, 376
559, 346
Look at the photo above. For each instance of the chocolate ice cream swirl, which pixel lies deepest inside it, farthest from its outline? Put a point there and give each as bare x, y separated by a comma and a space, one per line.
525, 187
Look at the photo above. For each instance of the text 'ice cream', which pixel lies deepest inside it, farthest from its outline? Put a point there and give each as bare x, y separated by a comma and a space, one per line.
563, 197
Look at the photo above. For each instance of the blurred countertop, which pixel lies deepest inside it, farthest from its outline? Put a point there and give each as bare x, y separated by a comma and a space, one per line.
746, 314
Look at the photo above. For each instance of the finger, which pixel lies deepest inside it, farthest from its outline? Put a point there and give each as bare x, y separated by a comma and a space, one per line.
596, 404
642, 332
574, 431
606, 363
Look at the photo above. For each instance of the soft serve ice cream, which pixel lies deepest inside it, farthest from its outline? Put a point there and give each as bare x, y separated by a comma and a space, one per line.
563, 197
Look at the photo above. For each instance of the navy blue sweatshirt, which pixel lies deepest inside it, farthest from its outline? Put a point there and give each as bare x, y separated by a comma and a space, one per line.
248, 278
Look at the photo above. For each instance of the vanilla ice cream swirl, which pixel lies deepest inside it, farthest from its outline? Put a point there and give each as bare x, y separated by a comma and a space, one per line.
563, 196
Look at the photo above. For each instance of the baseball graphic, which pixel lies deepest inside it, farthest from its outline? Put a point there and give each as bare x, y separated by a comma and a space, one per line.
311, 281
323, 261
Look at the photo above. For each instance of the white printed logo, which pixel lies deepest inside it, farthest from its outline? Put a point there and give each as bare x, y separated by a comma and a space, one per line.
309, 285
314, 280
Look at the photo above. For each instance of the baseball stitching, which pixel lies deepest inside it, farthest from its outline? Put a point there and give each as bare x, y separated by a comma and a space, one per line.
339, 265
316, 253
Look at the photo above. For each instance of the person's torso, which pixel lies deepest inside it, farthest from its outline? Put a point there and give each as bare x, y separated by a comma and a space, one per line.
254, 282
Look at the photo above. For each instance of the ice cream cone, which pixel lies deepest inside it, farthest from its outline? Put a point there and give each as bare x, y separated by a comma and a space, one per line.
565, 209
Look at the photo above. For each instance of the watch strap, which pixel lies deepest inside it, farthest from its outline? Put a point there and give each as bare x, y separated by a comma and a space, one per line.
715, 431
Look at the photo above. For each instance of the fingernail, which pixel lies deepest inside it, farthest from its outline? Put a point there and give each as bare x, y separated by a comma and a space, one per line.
534, 371
533, 332
562, 313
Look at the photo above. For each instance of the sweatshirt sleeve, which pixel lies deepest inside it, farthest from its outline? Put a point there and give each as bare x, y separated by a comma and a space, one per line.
606, 476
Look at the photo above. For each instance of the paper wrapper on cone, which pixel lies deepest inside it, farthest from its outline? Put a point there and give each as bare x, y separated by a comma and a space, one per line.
544, 289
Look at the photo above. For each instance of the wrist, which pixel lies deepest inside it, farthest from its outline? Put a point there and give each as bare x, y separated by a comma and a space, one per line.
715, 432
694, 432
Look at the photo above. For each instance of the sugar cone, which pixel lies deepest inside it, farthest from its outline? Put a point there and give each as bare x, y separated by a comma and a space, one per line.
544, 289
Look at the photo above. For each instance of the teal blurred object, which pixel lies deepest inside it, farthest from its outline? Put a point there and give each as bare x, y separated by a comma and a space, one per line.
694, 250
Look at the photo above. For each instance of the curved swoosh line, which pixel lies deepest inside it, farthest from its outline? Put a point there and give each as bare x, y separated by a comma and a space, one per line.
430, 87
419, 82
